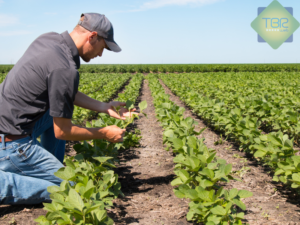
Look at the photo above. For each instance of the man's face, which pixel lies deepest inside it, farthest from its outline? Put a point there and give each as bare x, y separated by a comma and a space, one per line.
93, 48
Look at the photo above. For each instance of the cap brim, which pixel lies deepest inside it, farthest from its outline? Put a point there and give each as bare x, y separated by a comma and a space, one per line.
112, 45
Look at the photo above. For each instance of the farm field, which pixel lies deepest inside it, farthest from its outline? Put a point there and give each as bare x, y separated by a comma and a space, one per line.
208, 148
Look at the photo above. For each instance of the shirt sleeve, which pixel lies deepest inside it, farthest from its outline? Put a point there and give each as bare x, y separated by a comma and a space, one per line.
62, 88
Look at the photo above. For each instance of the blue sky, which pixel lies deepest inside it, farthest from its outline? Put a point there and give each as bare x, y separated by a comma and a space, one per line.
152, 31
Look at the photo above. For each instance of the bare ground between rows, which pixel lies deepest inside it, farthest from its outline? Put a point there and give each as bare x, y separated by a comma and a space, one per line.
145, 174
271, 203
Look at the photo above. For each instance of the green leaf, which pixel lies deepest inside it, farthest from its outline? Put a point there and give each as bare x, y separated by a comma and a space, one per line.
169, 133
245, 194
263, 137
192, 194
259, 154
101, 214
194, 162
53, 189
53, 216
228, 169
192, 142
239, 204
240, 215
218, 210
143, 105
177, 143
70, 164
274, 140
209, 173
66, 173
176, 182
179, 194
296, 177
75, 200
184, 175
233, 193
88, 124
166, 105
129, 104
102, 159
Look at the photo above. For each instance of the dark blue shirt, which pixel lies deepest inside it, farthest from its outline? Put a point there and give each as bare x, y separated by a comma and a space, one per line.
45, 78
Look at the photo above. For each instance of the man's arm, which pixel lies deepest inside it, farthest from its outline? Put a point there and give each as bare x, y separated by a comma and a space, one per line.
86, 102
65, 130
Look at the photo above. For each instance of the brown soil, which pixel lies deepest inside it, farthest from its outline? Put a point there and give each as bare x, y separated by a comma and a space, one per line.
271, 203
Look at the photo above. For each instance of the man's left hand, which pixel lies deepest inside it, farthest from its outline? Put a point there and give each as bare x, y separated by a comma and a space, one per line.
123, 113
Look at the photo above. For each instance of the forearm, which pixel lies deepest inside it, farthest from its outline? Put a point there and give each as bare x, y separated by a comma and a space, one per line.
65, 130
77, 133
84, 101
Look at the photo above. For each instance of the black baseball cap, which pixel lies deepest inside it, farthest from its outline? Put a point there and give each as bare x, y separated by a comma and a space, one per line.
99, 23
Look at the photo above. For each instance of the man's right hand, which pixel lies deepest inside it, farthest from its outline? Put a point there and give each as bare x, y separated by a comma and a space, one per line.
114, 134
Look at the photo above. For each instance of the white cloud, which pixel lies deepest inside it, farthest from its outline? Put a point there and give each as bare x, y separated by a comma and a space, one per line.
13, 33
7, 20
161, 3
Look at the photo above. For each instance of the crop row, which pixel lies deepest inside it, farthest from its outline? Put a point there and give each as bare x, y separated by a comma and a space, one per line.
199, 173
274, 149
180, 68
272, 97
89, 183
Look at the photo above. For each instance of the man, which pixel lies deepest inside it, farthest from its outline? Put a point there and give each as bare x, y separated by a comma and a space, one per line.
37, 98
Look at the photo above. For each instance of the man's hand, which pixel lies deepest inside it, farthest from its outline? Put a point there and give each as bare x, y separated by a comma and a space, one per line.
114, 134
123, 112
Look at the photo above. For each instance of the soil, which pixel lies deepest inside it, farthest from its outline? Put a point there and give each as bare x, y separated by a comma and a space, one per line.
145, 174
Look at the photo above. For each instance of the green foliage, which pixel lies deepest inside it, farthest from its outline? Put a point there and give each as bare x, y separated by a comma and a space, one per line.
241, 106
163, 68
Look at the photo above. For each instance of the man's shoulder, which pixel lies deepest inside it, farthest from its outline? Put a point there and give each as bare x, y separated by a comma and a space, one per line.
52, 50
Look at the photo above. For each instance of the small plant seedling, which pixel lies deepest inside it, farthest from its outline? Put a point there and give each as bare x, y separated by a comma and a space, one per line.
12, 221
129, 107
277, 207
236, 156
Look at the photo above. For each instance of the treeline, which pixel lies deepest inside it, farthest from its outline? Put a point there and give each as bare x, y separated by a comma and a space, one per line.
179, 68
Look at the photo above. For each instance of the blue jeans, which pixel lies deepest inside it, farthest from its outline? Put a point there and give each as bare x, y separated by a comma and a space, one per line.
27, 166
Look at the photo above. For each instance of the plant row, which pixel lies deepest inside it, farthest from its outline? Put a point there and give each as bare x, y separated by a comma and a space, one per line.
272, 97
274, 149
199, 173
89, 183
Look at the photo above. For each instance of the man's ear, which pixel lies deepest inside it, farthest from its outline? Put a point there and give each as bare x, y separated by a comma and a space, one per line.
92, 37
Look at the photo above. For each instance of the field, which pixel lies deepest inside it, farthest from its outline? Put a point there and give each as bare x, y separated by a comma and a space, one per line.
213, 144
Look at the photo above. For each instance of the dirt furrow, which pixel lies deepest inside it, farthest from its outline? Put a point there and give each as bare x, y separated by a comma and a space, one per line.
145, 174
271, 203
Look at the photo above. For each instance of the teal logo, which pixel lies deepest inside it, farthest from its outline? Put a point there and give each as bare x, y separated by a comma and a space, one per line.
275, 24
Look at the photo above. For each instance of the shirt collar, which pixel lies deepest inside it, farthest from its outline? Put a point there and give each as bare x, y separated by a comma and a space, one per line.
74, 51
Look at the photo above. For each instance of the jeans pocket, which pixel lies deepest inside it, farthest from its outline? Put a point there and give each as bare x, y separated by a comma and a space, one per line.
7, 165
24, 150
